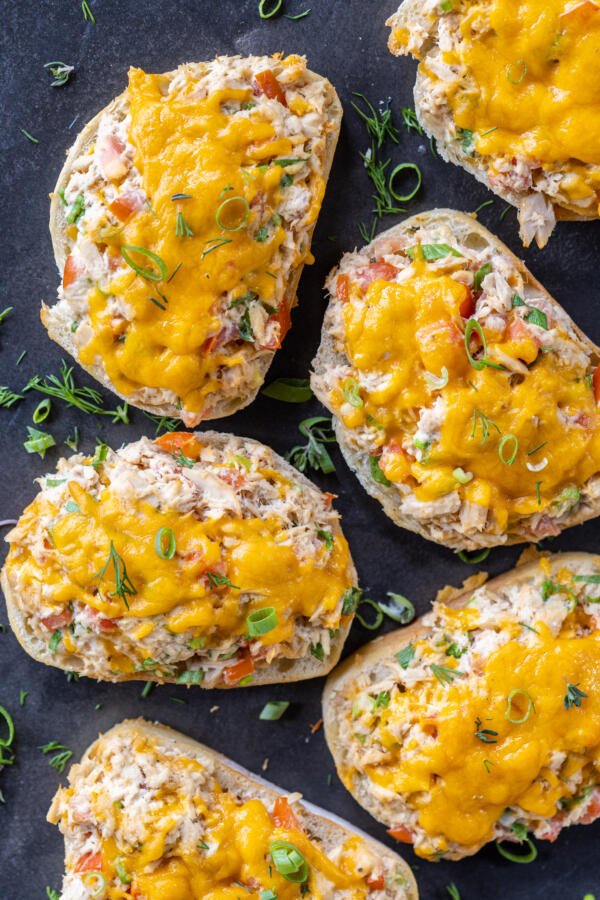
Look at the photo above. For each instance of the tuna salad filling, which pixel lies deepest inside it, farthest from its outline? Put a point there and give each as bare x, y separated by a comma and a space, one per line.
505, 86
186, 220
487, 724
469, 392
164, 560
144, 819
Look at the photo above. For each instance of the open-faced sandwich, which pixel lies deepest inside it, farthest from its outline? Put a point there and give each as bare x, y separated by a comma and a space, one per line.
510, 91
181, 221
197, 559
153, 815
482, 719
465, 398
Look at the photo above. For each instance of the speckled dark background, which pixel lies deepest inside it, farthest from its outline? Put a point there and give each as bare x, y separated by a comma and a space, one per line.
346, 41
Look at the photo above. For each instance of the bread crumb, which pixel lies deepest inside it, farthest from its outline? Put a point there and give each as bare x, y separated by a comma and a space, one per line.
214, 709
314, 728
448, 593
265, 764
529, 554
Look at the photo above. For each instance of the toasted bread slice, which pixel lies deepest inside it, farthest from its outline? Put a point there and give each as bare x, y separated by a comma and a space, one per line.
194, 334
495, 691
513, 118
162, 562
213, 801
497, 455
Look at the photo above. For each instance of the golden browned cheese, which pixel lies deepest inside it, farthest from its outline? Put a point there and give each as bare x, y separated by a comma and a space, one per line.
401, 335
249, 550
239, 834
532, 84
190, 146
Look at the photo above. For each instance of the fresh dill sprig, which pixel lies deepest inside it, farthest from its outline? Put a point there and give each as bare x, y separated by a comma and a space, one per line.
88, 15
379, 124
8, 398
85, 399
164, 423
318, 430
61, 755
409, 117
124, 587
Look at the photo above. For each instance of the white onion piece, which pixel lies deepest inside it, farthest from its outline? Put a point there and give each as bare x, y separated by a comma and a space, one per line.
537, 467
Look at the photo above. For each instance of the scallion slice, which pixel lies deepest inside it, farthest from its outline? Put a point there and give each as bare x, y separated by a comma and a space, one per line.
273, 710
289, 862
42, 411
515, 449
352, 392
164, 543
370, 626
401, 168
479, 364
220, 211
519, 692
400, 609
269, 8
126, 249
261, 621
437, 382
96, 882
289, 390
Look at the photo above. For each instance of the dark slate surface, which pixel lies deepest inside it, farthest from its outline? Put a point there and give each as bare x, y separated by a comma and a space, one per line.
345, 40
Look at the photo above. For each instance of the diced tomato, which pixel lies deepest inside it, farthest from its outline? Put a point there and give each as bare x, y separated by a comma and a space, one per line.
342, 287
583, 420
71, 272
596, 383
593, 810
518, 331
241, 669
467, 307
283, 815
377, 884
376, 270
126, 205
180, 440
283, 317
270, 87
110, 156
106, 625
232, 477
329, 498
58, 620
401, 833
89, 862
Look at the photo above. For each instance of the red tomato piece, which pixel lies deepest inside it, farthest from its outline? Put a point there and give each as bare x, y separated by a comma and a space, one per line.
376, 884
180, 440
467, 307
89, 862
342, 287
270, 87
58, 620
126, 205
401, 833
241, 669
283, 815
376, 270
71, 272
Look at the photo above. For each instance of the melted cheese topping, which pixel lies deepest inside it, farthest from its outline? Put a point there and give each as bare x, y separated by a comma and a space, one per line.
191, 146
248, 552
233, 855
459, 784
397, 333
532, 88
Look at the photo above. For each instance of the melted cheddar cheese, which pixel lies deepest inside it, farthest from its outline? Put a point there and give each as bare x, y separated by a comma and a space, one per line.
169, 333
399, 335
215, 563
233, 854
500, 736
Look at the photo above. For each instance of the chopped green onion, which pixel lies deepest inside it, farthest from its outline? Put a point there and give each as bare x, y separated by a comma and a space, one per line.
406, 656
400, 168
327, 537
29, 137
76, 210
352, 392
273, 710
431, 252
289, 390
190, 676
126, 249
7, 741
124, 876
289, 862
480, 275
519, 692
587, 579
295, 18
515, 449
400, 609
351, 600
376, 472
225, 204
164, 543
318, 651
516, 72
197, 643
476, 557
72, 507
96, 882
378, 614
461, 476
267, 13
473, 325
261, 621
537, 317
437, 382
528, 857
42, 411
38, 442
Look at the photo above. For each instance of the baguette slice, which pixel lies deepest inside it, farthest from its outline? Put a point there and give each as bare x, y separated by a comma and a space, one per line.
455, 518
176, 767
223, 488
228, 368
541, 189
484, 784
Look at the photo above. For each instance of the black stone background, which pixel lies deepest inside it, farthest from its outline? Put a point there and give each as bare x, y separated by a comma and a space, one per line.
346, 41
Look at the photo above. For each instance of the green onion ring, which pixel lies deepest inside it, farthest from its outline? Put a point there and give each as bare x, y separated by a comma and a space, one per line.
473, 559
400, 168
42, 411
530, 706
261, 621
399, 610
515, 857
165, 535
289, 862
139, 270
378, 618
10, 725
523, 70
479, 364
96, 881
272, 12
237, 199
352, 392
501, 446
